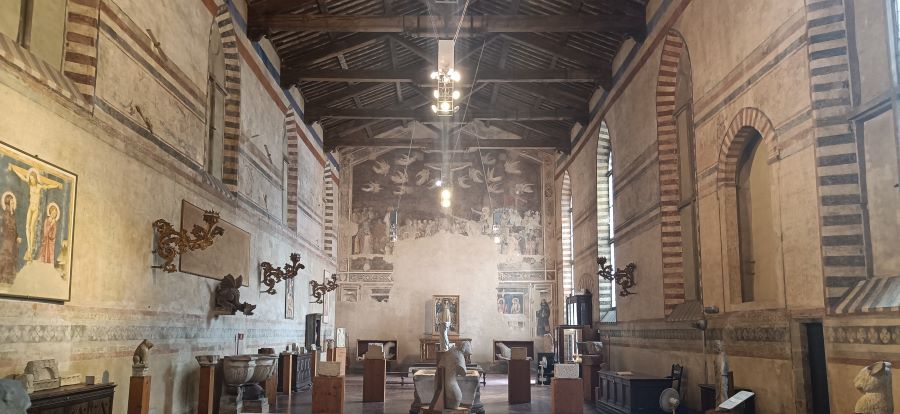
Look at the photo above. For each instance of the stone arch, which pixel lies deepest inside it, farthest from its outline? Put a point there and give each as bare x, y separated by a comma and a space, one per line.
743, 129
736, 137
232, 132
667, 146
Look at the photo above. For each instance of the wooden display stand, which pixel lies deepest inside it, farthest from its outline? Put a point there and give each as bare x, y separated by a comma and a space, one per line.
270, 385
207, 389
519, 379
338, 355
139, 395
286, 365
566, 396
374, 379
328, 395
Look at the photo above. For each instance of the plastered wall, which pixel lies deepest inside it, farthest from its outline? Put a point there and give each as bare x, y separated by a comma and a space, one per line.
138, 151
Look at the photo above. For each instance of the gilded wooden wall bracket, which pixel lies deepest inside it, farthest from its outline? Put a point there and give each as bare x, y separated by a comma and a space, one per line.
623, 277
320, 289
272, 275
171, 243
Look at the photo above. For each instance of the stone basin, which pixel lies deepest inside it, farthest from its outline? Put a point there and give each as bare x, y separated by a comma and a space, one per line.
241, 375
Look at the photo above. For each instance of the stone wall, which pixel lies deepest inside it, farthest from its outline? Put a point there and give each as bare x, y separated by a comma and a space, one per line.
787, 69
135, 135
398, 247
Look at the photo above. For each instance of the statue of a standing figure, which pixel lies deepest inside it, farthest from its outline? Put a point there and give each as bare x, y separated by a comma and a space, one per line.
452, 363
722, 370
446, 319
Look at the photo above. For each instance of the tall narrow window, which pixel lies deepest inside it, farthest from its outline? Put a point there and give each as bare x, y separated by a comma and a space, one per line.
606, 294
216, 92
611, 242
36, 25
687, 185
567, 236
756, 227
285, 183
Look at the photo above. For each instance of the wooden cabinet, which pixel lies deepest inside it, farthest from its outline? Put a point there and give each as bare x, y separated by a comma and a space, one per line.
301, 372
626, 394
81, 399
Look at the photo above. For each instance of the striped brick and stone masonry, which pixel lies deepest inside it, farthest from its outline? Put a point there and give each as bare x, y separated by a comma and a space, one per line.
232, 98
837, 168
331, 184
568, 278
667, 141
293, 146
80, 59
606, 289
23, 60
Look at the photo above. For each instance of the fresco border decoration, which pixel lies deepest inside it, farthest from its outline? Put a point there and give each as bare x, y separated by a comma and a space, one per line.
37, 226
436, 307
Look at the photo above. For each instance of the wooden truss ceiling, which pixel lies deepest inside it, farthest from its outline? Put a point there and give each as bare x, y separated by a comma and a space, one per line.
529, 66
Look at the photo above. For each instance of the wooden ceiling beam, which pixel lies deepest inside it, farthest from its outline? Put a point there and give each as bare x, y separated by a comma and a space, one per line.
316, 113
465, 142
422, 78
334, 49
430, 57
445, 26
548, 46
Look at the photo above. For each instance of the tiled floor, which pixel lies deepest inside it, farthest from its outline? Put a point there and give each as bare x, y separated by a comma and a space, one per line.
398, 399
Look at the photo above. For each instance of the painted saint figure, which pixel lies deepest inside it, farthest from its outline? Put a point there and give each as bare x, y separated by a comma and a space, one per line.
48, 239
543, 318
9, 239
516, 306
36, 185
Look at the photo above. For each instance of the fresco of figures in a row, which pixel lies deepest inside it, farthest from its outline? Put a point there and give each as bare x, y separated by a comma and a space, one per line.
495, 193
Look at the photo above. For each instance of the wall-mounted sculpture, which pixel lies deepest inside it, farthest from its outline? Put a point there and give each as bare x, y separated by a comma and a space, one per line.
228, 297
272, 275
171, 243
874, 381
623, 277
320, 289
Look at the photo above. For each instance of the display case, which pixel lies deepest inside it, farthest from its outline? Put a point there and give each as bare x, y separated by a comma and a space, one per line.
314, 331
567, 339
579, 309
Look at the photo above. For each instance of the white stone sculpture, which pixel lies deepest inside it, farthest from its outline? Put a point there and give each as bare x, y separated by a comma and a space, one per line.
375, 351
722, 370
13, 397
389, 350
241, 375
505, 352
140, 362
328, 369
40, 375
453, 363
565, 371
874, 381
446, 319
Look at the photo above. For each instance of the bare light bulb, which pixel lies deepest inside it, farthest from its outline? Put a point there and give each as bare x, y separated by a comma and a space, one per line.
436, 94
454, 75
445, 194
438, 182
445, 203
445, 106
434, 108
455, 95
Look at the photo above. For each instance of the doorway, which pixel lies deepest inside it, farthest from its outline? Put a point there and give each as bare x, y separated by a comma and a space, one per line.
815, 364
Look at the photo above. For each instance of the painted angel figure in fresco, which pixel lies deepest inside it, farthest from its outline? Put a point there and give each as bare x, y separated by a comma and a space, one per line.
36, 185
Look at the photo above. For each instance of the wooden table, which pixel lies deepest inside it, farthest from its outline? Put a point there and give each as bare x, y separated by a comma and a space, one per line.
519, 381
80, 398
626, 394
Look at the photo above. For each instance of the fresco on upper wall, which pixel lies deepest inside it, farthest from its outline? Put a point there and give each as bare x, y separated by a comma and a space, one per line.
496, 193
37, 209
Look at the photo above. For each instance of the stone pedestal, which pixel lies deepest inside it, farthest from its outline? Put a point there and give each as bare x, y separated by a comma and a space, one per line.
328, 395
139, 395
338, 355
519, 381
565, 396
374, 378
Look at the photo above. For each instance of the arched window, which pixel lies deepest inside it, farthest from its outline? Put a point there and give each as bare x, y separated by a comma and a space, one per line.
605, 247
215, 115
568, 256
687, 184
756, 226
